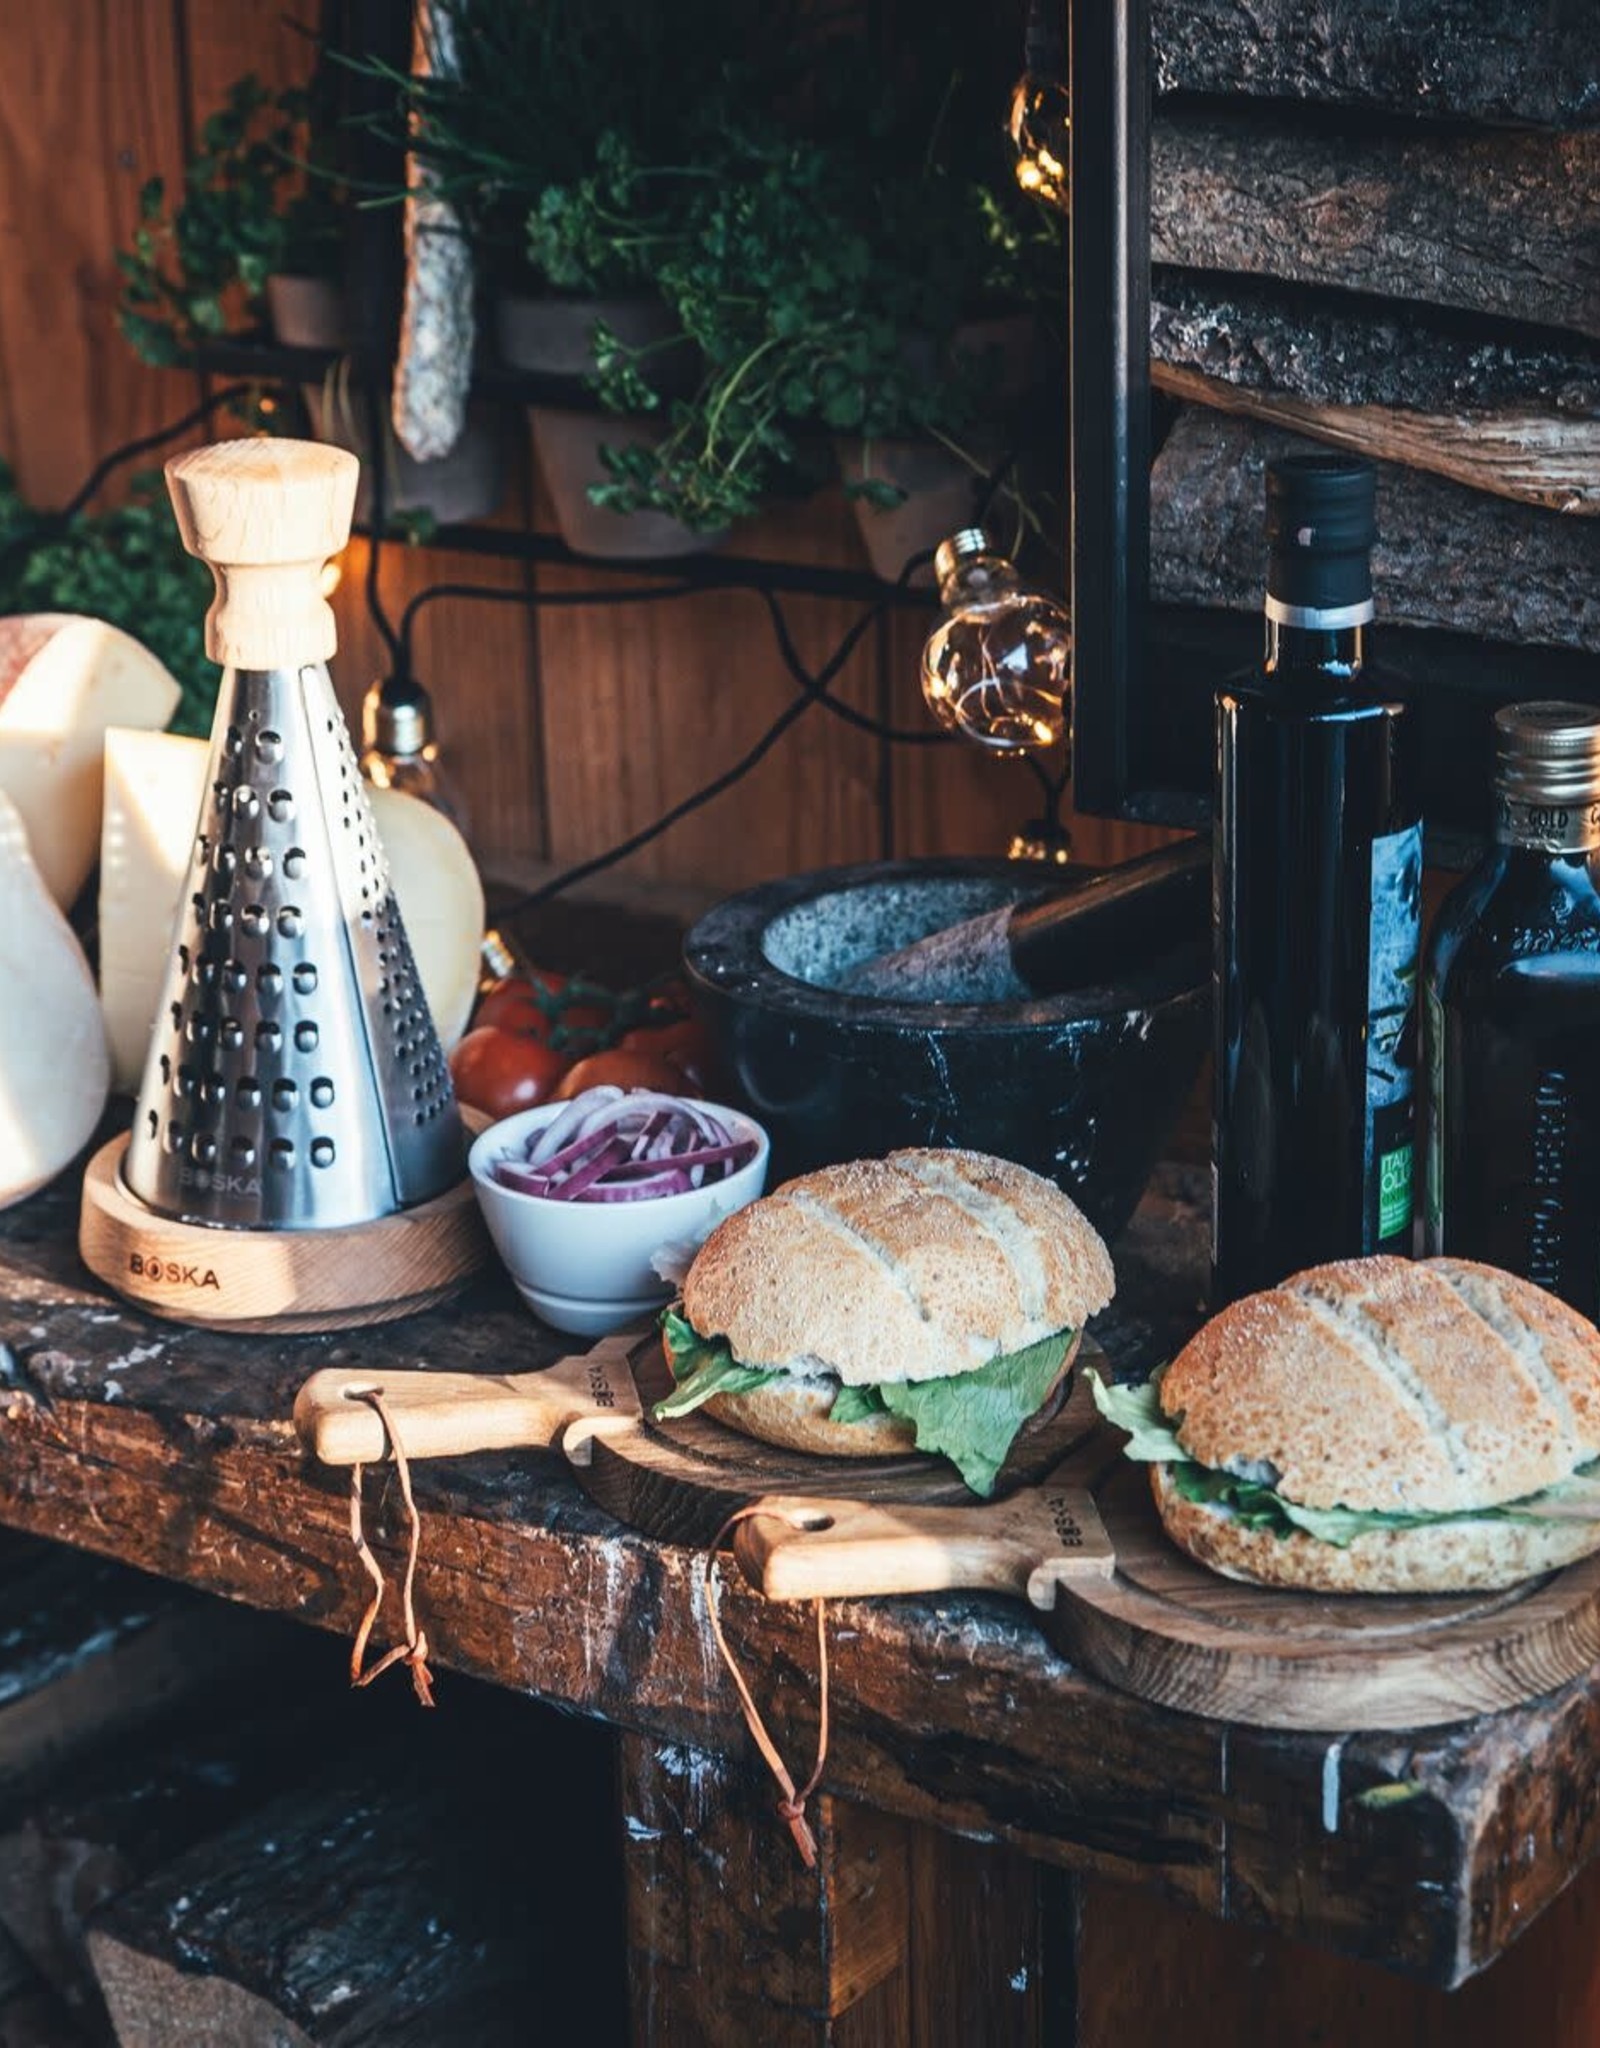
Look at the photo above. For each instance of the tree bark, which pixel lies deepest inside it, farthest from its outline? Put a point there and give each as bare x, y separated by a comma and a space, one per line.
1447, 558
443, 1890
121, 1815
1498, 224
1323, 346
1491, 60
1399, 385
1529, 457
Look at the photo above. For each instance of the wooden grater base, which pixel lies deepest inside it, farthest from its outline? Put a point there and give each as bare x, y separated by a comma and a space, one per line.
276, 1281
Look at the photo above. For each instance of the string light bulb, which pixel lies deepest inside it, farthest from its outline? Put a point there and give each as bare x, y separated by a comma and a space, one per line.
1039, 120
998, 667
399, 749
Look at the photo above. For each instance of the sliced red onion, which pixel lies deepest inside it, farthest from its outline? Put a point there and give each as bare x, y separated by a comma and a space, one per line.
564, 1127
639, 1190
610, 1146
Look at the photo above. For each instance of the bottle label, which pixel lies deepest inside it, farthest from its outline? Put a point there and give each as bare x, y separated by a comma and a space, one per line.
1391, 1035
1554, 827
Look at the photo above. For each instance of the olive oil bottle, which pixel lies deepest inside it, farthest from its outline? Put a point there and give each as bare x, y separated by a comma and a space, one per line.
1513, 1019
1317, 884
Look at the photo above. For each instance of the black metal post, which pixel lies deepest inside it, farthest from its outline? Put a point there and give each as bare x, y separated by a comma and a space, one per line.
1109, 44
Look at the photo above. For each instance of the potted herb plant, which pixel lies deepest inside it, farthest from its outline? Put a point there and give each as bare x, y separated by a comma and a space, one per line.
207, 263
754, 244
566, 135
831, 307
256, 233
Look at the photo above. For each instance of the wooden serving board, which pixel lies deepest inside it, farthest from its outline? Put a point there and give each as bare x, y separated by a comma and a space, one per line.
1077, 1539
677, 1481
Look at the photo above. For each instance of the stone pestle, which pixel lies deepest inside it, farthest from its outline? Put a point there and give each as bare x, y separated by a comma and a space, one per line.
1093, 932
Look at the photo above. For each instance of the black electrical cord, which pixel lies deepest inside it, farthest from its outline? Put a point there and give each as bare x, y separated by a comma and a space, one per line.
618, 594
146, 444
815, 692
53, 523
377, 460
896, 735
812, 688
536, 600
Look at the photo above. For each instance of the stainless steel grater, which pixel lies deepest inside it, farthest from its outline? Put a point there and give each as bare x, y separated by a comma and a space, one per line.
295, 1079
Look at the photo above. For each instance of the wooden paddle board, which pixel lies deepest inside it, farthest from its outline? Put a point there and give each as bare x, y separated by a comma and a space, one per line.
677, 1481
1077, 1539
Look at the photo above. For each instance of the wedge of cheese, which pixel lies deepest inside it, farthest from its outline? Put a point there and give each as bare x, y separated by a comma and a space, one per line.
153, 786
63, 680
54, 1068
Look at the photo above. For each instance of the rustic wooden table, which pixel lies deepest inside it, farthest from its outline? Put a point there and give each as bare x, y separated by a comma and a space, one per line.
969, 1765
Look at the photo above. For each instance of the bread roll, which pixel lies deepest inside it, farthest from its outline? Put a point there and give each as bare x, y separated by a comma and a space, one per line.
1444, 1557
914, 1267
793, 1415
1434, 1386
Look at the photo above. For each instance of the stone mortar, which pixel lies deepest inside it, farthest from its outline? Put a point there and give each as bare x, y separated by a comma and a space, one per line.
1084, 1087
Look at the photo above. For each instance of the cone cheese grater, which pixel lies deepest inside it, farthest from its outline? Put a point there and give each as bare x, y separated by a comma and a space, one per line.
294, 1080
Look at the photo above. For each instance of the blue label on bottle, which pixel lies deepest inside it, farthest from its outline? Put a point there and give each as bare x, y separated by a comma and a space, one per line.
1391, 1035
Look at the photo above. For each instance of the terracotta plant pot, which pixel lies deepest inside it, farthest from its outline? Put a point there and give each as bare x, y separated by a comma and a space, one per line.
941, 497
307, 312
466, 484
554, 337
942, 490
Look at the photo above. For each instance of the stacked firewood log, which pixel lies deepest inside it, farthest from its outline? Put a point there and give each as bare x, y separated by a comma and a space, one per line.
1376, 224
205, 1837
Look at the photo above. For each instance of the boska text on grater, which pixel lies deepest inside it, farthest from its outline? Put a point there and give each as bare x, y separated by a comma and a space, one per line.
295, 1082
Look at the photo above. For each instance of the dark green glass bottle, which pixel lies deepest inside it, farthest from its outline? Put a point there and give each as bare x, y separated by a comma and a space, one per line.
1513, 1019
1316, 908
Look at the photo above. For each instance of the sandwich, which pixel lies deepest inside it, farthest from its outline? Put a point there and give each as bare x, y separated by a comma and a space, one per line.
929, 1301
1378, 1426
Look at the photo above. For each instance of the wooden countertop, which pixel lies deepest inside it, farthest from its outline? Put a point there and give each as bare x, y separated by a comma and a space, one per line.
172, 1449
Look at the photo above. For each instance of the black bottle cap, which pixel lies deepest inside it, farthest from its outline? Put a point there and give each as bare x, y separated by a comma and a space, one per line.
1321, 525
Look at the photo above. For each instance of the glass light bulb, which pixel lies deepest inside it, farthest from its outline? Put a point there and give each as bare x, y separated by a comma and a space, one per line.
1040, 127
399, 750
998, 667
1039, 119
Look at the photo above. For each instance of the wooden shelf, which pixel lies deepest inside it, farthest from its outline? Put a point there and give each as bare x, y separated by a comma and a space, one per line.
268, 362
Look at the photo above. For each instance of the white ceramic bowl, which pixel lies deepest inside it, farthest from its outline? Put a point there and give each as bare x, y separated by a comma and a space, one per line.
585, 1266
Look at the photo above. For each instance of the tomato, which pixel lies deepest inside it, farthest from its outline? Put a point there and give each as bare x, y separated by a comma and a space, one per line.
500, 1072
574, 1017
514, 1005
686, 1043
625, 1068
580, 1026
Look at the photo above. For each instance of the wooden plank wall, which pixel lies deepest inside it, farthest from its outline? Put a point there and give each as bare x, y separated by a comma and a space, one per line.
568, 729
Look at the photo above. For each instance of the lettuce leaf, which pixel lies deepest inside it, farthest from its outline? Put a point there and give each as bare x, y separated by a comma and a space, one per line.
702, 1367
1153, 1441
1151, 1437
856, 1404
970, 1418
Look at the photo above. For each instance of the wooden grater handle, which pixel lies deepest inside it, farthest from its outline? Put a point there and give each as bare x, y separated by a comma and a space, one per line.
800, 1548
448, 1414
265, 516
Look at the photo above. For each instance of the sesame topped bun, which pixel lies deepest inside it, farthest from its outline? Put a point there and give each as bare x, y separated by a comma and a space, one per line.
913, 1267
822, 1316
1379, 1425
